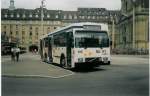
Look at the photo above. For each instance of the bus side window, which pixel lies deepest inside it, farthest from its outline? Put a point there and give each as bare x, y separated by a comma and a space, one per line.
60, 40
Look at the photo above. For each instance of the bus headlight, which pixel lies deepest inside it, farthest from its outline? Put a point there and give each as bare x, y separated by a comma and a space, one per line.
80, 59
104, 52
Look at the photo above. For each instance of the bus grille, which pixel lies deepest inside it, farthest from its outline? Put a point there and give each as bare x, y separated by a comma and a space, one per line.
91, 59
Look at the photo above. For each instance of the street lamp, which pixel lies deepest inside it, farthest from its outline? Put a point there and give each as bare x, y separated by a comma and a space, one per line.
42, 6
113, 32
133, 2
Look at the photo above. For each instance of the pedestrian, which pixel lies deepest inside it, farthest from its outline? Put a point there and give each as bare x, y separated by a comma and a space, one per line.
35, 50
13, 53
17, 53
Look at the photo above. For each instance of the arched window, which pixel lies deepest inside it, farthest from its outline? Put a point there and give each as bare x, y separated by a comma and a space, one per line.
36, 16
48, 16
75, 16
65, 17
18, 15
24, 16
70, 16
30, 15
5, 15
11, 15
56, 16
30, 33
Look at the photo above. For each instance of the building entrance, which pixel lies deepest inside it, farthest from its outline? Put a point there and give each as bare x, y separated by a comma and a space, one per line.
33, 48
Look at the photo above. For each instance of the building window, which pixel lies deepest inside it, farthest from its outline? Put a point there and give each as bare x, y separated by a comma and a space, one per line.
22, 27
106, 17
48, 16
65, 17
23, 38
48, 29
30, 33
24, 15
30, 27
97, 17
56, 16
4, 33
30, 15
11, 15
70, 16
10, 32
75, 16
36, 16
37, 33
126, 5
23, 32
36, 29
83, 17
18, 15
42, 15
16, 27
145, 3
55, 27
93, 17
16, 32
4, 27
5, 15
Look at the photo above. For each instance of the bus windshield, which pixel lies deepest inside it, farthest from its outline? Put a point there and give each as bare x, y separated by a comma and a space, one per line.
91, 39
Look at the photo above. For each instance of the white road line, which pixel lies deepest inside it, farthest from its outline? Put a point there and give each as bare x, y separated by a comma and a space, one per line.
38, 76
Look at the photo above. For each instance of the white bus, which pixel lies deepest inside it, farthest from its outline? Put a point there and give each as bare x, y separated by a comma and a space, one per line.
78, 44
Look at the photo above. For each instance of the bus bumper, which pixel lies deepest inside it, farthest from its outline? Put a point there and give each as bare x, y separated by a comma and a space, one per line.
88, 64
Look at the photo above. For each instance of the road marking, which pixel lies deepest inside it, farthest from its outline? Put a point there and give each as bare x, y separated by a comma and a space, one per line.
37, 76
6, 60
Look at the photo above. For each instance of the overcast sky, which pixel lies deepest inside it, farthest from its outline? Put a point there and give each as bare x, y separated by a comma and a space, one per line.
65, 4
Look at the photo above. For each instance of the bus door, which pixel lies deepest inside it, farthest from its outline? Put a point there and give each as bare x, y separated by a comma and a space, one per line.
50, 49
69, 45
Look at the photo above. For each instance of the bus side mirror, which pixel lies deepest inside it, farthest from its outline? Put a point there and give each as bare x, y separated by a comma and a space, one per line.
110, 43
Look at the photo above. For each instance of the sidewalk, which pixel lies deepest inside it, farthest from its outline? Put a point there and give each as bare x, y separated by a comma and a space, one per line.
134, 56
30, 65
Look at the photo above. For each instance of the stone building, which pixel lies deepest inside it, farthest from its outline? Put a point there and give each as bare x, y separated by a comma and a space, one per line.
25, 24
133, 25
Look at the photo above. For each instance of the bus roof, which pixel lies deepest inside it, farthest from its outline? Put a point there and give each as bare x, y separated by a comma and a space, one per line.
104, 27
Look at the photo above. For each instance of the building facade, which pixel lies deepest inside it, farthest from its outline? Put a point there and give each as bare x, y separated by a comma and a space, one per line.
133, 25
25, 24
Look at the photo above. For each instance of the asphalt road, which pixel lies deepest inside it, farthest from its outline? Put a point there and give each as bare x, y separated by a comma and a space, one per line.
125, 77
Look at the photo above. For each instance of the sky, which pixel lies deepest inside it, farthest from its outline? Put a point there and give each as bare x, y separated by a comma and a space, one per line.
71, 5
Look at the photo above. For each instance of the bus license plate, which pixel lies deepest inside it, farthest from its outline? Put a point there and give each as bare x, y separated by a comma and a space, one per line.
105, 60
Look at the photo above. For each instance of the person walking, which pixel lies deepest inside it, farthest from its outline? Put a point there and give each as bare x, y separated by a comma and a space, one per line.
13, 54
17, 53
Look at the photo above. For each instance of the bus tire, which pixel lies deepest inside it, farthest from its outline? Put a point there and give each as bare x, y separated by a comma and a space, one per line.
108, 63
62, 62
